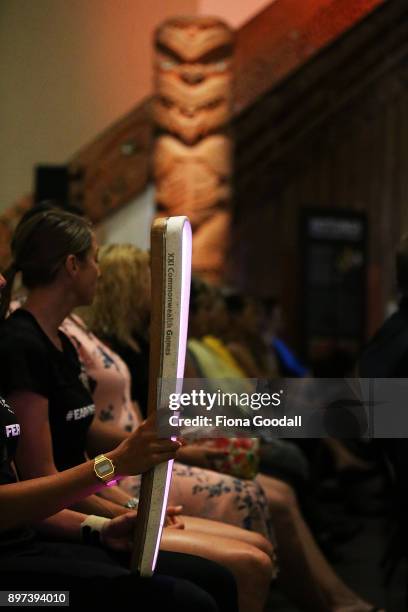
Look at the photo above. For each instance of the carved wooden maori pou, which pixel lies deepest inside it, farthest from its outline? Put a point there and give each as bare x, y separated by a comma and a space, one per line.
193, 149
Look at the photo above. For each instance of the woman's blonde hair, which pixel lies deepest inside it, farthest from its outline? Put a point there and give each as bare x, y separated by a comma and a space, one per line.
121, 306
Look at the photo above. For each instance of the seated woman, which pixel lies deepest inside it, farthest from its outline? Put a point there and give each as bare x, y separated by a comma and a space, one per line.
36, 506
235, 324
42, 377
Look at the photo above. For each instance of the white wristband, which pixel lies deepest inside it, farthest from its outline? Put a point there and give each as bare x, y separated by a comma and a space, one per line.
91, 529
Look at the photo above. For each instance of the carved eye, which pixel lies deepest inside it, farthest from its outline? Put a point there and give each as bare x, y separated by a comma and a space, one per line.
167, 65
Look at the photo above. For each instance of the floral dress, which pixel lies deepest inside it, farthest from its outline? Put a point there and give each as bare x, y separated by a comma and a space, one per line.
201, 492
221, 497
108, 379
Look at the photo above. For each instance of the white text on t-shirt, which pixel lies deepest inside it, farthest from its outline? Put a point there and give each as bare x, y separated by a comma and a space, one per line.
80, 413
12, 430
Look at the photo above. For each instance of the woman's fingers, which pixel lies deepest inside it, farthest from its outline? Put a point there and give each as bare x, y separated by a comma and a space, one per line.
161, 457
213, 453
150, 422
172, 510
164, 446
143, 449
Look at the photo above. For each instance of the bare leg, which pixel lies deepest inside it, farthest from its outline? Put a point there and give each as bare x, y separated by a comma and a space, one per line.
224, 530
250, 566
293, 534
296, 577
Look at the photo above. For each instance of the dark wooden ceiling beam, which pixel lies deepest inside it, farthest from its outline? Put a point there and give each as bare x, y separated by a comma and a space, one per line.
331, 72
285, 36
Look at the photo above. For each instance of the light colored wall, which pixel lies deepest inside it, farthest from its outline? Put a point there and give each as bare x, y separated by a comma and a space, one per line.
131, 223
234, 12
68, 69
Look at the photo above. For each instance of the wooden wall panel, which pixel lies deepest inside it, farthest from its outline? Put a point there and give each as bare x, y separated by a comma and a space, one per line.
356, 159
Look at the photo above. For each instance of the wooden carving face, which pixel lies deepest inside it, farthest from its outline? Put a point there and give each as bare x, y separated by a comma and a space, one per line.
192, 180
193, 77
192, 38
192, 156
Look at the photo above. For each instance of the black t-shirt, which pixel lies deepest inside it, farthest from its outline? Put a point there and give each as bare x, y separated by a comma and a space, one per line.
29, 361
9, 435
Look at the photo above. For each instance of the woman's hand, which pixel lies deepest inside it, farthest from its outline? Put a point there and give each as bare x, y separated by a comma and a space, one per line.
142, 450
201, 456
172, 521
117, 534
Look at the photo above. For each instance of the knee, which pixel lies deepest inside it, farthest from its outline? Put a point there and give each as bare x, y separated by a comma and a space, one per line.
255, 565
260, 542
282, 499
260, 566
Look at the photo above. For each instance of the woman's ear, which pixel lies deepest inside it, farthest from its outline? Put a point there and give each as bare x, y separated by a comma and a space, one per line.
71, 265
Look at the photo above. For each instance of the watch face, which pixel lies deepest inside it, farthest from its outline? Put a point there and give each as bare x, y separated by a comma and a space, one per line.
104, 468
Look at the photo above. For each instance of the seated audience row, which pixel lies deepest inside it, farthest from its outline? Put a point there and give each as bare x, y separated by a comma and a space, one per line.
75, 397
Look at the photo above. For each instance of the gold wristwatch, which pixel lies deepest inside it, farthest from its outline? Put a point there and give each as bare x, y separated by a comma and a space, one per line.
104, 469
